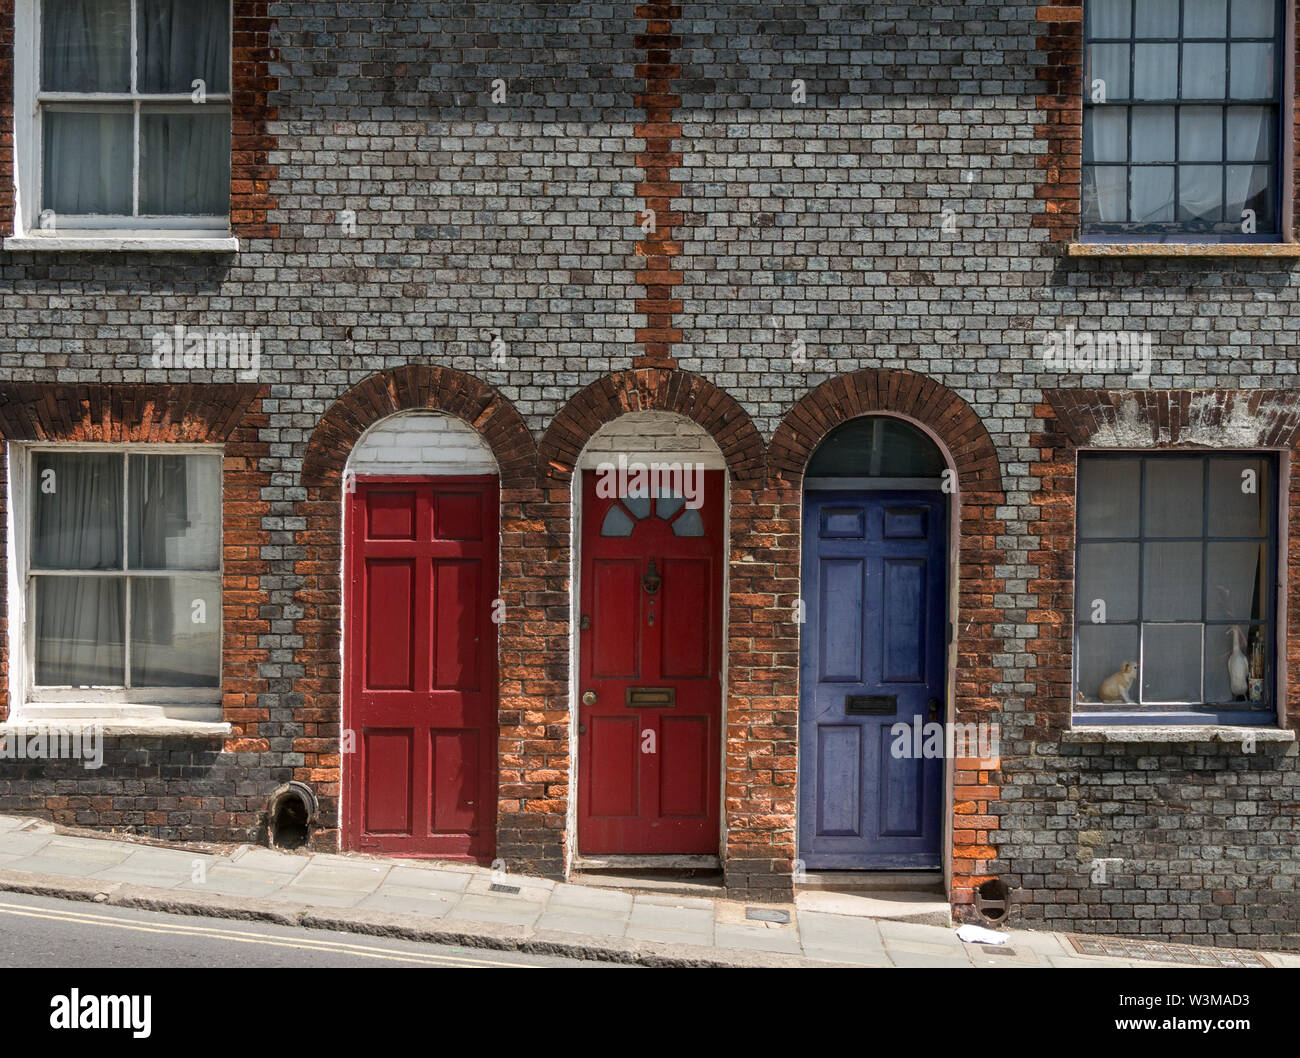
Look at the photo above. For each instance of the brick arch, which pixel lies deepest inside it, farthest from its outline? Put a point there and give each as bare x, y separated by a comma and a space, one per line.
906, 393
427, 388
654, 389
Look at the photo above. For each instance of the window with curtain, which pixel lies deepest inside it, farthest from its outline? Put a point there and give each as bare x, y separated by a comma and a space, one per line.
133, 104
124, 581
1175, 605
1182, 119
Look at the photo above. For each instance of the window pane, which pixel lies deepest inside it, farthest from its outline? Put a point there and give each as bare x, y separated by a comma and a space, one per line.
1103, 649
1200, 134
175, 512
86, 45
1105, 134
617, 523
667, 506
1171, 663
1151, 194
175, 632
79, 631
1205, 74
689, 524
1225, 659
1109, 18
1173, 497
1108, 497
87, 163
1205, 18
181, 40
1251, 187
1253, 18
1153, 134
1156, 18
1108, 573
1252, 71
1105, 193
1238, 584
1155, 71
1200, 193
77, 510
1109, 64
1250, 134
185, 162
1171, 582
1237, 491
637, 502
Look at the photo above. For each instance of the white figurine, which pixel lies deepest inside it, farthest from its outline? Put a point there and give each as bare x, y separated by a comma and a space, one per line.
1238, 666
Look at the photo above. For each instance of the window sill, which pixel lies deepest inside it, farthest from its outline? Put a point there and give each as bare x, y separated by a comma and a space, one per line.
119, 721
70, 241
1185, 249
1171, 733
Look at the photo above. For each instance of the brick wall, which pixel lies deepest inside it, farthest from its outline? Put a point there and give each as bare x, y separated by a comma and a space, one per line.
807, 230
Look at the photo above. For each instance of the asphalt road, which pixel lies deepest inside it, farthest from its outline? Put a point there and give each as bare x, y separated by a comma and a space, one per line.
38, 931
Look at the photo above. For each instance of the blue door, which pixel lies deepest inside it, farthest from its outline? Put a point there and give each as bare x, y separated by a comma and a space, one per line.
873, 655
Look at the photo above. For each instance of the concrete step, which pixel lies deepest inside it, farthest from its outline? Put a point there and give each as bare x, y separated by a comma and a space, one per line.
923, 908
707, 884
872, 881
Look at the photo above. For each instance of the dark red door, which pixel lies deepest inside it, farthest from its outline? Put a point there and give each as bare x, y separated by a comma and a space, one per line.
421, 667
649, 738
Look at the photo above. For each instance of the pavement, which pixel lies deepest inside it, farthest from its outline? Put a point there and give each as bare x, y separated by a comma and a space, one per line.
474, 907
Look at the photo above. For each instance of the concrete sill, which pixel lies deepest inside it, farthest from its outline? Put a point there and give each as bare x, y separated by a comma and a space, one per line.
120, 727
1170, 733
1185, 249
124, 241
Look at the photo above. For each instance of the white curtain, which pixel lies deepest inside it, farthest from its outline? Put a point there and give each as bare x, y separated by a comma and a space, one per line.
181, 40
185, 163
86, 45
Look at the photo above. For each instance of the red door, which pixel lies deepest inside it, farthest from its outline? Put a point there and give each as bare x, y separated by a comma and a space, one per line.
421, 667
649, 740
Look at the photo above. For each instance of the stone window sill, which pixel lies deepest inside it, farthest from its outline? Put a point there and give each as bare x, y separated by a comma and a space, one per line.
1170, 733
69, 241
1185, 249
120, 727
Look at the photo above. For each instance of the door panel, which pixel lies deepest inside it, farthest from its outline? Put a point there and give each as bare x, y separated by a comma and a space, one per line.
420, 678
872, 656
650, 647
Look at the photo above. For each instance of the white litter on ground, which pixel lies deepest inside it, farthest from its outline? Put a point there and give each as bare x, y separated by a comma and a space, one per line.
980, 935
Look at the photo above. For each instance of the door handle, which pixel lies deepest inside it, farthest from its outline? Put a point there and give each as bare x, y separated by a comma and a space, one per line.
589, 698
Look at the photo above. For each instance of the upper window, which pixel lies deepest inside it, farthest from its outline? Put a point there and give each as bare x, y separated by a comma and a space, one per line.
123, 576
131, 105
1174, 587
1182, 119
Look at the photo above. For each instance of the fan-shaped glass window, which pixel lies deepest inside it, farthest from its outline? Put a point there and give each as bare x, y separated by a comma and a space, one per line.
877, 446
621, 518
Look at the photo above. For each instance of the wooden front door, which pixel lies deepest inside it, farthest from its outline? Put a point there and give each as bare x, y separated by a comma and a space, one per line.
421, 663
873, 655
649, 741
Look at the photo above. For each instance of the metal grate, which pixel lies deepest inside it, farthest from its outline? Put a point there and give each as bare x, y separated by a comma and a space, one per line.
1186, 954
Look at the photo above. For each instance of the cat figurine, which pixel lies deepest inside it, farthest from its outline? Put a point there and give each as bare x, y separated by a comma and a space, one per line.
1115, 687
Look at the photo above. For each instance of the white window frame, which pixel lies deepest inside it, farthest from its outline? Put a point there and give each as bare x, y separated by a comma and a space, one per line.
32, 703
96, 232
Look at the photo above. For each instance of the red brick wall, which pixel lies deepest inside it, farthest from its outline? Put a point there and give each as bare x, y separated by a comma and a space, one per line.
251, 141
172, 414
1061, 75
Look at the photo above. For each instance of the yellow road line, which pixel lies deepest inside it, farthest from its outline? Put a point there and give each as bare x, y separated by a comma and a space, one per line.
246, 937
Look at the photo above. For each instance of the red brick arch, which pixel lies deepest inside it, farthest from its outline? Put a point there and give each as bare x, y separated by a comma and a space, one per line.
904, 393
654, 389
319, 543
420, 387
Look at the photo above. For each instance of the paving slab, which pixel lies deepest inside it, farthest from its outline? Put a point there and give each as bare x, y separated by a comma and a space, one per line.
579, 897
307, 896
430, 879
349, 878
410, 900
520, 912
583, 923
235, 881
74, 861
728, 935
829, 936
250, 856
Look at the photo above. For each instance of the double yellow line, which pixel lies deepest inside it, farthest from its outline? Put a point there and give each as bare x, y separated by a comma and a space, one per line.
239, 936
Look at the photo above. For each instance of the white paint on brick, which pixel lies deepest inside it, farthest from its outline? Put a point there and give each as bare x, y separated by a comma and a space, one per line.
647, 436
422, 442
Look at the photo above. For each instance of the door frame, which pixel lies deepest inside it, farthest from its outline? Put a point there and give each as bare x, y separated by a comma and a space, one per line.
953, 552
572, 854
347, 761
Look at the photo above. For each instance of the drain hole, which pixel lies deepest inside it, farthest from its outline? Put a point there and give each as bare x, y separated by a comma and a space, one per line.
290, 815
993, 899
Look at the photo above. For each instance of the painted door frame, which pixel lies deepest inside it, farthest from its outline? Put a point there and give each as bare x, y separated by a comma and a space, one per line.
953, 552
572, 854
349, 780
